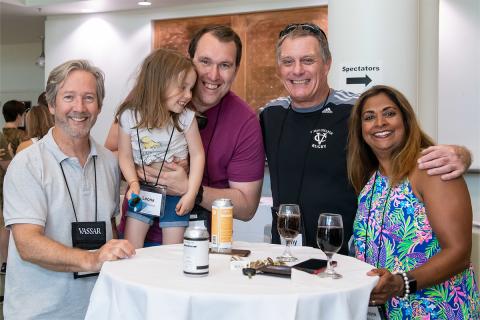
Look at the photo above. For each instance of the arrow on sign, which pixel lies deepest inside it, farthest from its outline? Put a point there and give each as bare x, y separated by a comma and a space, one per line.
364, 80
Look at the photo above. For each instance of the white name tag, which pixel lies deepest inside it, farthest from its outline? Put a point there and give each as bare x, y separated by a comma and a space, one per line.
153, 202
154, 199
373, 314
296, 242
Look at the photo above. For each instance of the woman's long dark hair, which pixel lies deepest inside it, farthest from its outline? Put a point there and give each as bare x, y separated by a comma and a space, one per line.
362, 162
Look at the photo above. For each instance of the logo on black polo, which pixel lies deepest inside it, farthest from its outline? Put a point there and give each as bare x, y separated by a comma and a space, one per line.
320, 137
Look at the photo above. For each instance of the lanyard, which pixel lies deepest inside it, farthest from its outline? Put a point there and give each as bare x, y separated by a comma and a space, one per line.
163, 161
307, 151
70, 194
381, 309
372, 192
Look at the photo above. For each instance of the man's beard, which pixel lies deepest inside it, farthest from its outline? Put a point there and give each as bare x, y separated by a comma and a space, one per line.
75, 132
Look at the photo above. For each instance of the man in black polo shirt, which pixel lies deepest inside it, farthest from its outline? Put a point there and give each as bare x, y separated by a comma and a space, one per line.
305, 136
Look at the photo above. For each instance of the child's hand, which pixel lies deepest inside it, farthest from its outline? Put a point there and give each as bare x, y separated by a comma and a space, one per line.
185, 205
134, 188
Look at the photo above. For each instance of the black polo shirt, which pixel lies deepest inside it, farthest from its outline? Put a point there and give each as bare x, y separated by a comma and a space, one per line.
306, 154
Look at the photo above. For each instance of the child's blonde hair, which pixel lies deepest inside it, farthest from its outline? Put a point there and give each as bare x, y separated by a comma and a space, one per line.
147, 98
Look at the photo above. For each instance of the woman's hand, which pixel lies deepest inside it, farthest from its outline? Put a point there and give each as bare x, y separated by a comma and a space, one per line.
388, 286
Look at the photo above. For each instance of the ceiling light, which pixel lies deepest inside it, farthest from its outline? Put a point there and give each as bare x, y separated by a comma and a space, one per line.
144, 3
40, 62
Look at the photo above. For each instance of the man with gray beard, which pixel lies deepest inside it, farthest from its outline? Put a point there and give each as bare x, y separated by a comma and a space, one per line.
61, 197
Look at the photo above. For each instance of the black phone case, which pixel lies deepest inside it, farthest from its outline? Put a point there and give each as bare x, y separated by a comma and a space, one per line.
312, 265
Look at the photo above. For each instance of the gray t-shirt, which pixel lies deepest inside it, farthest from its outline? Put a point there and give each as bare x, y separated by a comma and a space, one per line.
154, 141
36, 193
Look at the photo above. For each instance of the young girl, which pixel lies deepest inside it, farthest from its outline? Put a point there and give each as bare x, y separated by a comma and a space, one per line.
155, 127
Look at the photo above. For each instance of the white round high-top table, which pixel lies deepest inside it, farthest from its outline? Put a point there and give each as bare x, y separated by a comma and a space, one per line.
152, 285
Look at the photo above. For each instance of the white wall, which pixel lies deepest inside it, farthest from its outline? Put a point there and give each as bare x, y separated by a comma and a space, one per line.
374, 34
20, 78
459, 75
459, 83
118, 42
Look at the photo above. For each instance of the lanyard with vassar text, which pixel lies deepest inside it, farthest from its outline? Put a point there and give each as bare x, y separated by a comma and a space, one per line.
86, 235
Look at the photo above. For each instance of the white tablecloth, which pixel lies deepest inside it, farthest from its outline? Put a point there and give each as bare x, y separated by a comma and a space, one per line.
152, 285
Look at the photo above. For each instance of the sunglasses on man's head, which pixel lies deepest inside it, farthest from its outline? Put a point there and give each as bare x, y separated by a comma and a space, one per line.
310, 27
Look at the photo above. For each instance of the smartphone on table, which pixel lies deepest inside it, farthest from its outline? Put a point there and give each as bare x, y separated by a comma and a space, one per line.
313, 266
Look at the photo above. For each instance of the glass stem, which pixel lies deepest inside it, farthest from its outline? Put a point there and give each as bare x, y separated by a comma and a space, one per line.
287, 252
330, 269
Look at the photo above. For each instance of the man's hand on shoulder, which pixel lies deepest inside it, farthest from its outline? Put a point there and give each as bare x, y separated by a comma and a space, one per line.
449, 161
112, 250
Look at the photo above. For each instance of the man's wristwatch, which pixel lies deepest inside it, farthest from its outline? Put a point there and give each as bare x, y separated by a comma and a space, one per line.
199, 197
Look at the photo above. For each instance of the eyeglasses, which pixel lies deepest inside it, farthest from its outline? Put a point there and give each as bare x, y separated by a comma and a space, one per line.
202, 120
310, 27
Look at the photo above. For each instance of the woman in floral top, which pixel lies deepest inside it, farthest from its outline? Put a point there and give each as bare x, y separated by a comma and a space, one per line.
415, 229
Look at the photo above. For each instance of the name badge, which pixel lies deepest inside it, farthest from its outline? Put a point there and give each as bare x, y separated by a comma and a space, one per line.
296, 242
88, 236
154, 199
375, 313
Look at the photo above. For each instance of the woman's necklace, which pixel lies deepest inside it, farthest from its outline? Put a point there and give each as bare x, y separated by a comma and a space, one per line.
372, 193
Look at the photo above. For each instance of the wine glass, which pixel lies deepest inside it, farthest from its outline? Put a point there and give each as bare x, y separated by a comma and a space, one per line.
288, 226
330, 240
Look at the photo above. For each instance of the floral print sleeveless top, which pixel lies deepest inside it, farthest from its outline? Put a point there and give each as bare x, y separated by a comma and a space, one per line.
391, 230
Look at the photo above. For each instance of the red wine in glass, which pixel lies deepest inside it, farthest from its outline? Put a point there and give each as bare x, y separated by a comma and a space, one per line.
288, 226
330, 240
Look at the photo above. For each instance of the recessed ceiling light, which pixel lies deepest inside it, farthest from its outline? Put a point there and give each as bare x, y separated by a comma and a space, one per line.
144, 3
